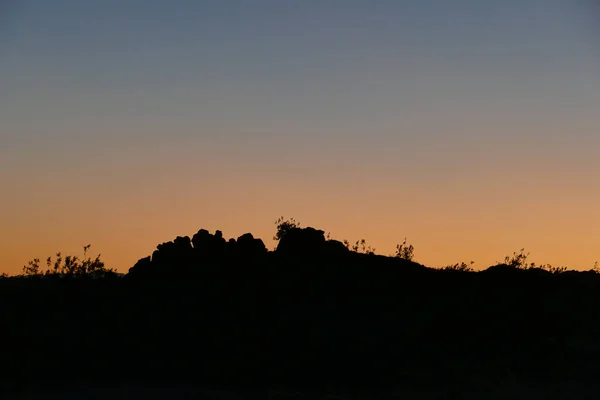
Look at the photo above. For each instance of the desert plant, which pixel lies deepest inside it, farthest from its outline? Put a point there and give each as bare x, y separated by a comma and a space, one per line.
32, 267
69, 265
462, 267
554, 270
404, 251
517, 260
360, 246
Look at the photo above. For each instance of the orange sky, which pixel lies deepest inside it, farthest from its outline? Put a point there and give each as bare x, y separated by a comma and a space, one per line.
470, 129
476, 213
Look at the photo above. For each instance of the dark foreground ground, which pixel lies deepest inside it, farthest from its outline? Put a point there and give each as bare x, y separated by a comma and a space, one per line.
276, 326
136, 391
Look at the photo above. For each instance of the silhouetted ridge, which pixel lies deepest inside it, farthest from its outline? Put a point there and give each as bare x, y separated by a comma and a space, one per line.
297, 245
312, 313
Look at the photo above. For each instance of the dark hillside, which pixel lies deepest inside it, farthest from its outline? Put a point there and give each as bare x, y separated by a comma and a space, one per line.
312, 314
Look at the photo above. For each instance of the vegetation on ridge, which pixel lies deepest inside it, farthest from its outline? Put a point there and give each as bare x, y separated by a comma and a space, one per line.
314, 311
75, 266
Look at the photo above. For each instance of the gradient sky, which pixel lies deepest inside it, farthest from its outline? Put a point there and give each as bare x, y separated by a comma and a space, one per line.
471, 127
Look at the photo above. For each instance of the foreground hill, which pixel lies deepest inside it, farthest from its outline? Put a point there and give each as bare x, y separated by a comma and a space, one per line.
310, 315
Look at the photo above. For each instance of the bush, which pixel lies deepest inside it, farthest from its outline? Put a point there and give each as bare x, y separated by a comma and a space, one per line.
284, 226
68, 266
405, 252
462, 267
360, 246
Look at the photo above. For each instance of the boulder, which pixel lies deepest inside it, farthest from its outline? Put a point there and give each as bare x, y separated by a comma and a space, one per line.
207, 244
247, 245
182, 244
143, 265
176, 252
201, 238
301, 241
335, 247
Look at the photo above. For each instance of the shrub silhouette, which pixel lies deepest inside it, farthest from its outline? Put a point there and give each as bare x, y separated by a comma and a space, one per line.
360, 246
284, 226
517, 260
68, 266
462, 267
405, 252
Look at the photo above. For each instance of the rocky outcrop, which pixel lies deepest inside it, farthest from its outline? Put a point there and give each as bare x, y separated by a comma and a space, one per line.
177, 251
248, 245
335, 247
143, 265
309, 241
203, 247
206, 244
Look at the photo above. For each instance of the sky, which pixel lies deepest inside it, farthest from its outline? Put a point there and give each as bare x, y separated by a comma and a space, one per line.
469, 127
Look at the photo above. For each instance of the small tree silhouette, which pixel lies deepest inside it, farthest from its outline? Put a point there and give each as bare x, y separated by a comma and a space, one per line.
284, 226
